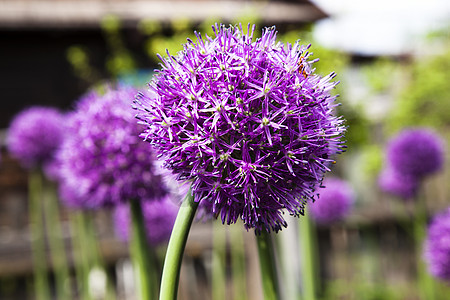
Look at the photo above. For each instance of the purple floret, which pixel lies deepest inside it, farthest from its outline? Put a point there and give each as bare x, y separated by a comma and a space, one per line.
335, 202
397, 184
246, 121
159, 217
437, 246
416, 152
34, 135
103, 161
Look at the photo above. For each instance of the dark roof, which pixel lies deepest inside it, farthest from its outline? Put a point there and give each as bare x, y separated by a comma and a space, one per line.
88, 13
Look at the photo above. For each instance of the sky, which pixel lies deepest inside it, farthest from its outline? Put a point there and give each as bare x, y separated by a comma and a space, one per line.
380, 27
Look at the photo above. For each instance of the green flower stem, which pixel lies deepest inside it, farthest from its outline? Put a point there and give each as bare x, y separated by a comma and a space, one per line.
56, 242
307, 259
94, 255
175, 249
37, 232
267, 264
219, 261
142, 255
426, 283
81, 256
238, 262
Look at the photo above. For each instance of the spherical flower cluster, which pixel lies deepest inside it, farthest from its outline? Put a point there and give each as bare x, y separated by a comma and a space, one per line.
416, 152
397, 184
246, 121
159, 217
35, 134
335, 201
103, 161
437, 246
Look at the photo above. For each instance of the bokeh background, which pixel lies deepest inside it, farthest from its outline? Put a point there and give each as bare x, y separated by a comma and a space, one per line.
392, 59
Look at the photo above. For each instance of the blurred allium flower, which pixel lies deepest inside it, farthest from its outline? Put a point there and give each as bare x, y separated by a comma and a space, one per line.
335, 201
246, 121
416, 152
395, 183
35, 134
437, 246
159, 217
102, 160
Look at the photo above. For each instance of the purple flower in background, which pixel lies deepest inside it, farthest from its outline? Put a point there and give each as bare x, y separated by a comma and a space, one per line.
437, 246
395, 183
34, 135
416, 152
103, 161
335, 201
159, 217
246, 121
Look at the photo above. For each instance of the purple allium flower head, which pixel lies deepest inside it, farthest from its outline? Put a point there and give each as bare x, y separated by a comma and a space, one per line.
397, 184
103, 161
335, 201
416, 152
159, 217
34, 135
437, 246
246, 121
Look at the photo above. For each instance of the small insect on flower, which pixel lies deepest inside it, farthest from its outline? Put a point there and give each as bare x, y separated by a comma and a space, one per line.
303, 66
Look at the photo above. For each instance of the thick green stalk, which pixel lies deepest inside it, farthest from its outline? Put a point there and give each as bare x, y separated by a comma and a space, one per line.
175, 249
56, 242
142, 255
81, 256
307, 246
219, 262
37, 231
268, 267
426, 284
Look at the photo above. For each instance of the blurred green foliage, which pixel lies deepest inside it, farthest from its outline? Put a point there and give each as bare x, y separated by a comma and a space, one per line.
159, 42
120, 59
373, 156
362, 290
418, 86
358, 131
425, 99
358, 289
380, 74
78, 57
